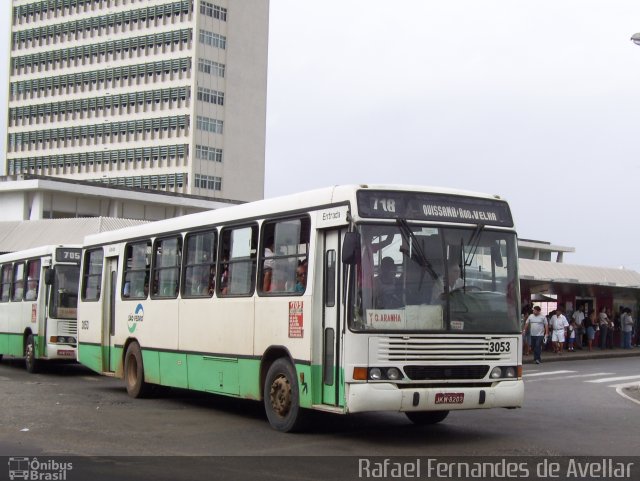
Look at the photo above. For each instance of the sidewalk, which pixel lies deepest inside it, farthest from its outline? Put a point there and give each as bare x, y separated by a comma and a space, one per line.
596, 353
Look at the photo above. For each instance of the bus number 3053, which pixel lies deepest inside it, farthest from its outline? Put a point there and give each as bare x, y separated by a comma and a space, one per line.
499, 346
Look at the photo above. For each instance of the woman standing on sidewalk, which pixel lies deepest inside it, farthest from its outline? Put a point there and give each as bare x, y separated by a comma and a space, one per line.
590, 326
626, 323
604, 327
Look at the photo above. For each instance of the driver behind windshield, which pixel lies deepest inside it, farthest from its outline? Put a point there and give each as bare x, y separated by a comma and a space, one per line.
454, 281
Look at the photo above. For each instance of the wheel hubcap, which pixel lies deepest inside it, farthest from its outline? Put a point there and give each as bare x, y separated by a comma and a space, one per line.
281, 396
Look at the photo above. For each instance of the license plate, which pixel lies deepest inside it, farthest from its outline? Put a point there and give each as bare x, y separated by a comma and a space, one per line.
449, 398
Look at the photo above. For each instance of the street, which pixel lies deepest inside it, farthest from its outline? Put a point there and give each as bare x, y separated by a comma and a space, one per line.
571, 408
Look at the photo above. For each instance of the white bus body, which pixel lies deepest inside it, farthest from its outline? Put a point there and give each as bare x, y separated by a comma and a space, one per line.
217, 302
38, 303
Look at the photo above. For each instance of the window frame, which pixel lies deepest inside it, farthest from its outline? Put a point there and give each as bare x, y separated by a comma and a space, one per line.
230, 263
153, 285
86, 275
212, 264
127, 270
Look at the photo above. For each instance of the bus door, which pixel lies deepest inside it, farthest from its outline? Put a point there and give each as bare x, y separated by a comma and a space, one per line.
109, 314
332, 391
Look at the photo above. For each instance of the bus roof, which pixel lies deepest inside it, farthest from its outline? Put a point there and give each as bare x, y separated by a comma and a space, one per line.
313, 199
35, 252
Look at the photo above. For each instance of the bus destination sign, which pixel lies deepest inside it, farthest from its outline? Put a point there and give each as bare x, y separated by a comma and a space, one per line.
68, 254
434, 207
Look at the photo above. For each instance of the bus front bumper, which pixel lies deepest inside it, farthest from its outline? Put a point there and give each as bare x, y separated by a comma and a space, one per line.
61, 351
362, 397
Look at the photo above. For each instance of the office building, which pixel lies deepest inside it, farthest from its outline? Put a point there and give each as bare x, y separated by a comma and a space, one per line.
167, 95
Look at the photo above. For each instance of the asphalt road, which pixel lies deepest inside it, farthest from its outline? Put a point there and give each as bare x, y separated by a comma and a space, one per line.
572, 408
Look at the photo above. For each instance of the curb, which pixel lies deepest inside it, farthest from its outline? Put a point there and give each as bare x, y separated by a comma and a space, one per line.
581, 356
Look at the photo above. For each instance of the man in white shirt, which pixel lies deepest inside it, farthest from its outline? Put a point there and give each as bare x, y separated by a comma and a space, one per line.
539, 329
559, 325
578, 317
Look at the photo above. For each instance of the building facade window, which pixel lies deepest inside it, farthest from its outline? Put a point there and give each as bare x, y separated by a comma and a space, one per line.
213, 11
208, 153
209, 125
208, 182
210, 96
212, 68
213, 39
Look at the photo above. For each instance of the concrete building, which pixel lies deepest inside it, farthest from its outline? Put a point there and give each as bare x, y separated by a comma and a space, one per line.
166, 95
32, 199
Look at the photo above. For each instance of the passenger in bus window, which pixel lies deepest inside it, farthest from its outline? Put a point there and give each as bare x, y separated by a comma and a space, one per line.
301, 276
454, 280
267, 271
32, 289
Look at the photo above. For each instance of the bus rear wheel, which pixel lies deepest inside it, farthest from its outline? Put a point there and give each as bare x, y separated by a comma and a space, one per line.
424, 418
30, 361
281, 397
134, 373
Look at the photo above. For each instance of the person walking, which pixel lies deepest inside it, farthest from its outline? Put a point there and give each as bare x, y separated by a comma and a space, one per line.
590, 326
539, 329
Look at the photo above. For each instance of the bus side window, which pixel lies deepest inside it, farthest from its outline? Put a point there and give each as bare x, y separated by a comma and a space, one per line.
18, 282
200, 264
92, 275
167, 257
284, 251
33, 280
136, 270
238, 261
5, 283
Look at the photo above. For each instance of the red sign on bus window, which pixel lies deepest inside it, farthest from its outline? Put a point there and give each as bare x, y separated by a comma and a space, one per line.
296, 319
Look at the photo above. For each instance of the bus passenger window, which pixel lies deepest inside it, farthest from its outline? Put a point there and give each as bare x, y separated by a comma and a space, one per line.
33, 280
284, 256
136, 270
92, 275
238, 252
18, 282
5, 286
167, 256
200, 264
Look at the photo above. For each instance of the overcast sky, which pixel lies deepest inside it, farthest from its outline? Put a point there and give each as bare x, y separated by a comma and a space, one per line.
536, 101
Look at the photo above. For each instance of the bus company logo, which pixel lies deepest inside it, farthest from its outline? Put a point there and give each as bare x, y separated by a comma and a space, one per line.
135, 318
33, 469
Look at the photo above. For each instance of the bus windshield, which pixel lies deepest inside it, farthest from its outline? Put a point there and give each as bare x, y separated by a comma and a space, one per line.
64, 292
434, 279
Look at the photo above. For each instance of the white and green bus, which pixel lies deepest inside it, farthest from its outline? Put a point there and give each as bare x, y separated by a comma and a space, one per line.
347, 299
38, 303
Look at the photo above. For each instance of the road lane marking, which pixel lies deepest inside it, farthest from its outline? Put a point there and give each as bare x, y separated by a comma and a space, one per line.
614, 379
627, 384
620, 391
575, 376
548, 373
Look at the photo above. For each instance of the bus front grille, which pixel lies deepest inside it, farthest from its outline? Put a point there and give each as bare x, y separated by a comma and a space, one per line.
434, 348
67, 328
425, 373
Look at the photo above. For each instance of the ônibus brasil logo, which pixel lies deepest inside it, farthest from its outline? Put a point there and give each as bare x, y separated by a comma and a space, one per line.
135, 318
32, 469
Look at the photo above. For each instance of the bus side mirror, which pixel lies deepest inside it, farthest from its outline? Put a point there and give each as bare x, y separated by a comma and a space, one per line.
49, 276
350, 248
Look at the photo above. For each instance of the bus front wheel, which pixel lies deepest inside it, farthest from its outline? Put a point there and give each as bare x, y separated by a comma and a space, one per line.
134, 372
281, 397
30, 361
423, 418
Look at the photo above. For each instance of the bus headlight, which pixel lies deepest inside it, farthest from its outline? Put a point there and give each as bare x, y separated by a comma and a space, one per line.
510, 372
496, 373
393, 374
375, 374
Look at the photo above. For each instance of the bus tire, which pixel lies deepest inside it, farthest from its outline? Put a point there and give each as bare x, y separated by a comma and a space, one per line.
30, 360
134, 372
281, 397
424, 418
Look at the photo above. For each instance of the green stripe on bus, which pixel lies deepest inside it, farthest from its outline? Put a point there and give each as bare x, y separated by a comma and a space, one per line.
12, 344
230, 376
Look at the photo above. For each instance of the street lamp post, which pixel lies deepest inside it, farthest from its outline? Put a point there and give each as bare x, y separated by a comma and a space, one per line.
635, 38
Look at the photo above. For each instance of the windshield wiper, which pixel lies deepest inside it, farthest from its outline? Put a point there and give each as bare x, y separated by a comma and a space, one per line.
420, 257
474, 242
